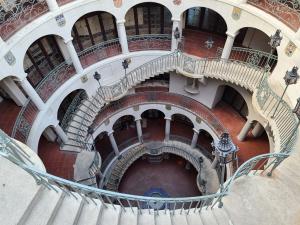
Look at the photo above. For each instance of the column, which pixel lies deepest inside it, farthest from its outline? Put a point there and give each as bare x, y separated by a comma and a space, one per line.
167, 128
32, 94
74, 57
195, 138
228, 45
61, 134
113, 142
176, 23
52, 4
122, 36
139, 129
14, 92
245, 130
297, 36
258, 130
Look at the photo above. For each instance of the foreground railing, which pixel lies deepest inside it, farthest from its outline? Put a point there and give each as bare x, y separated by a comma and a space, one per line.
16, 14
149, 42
257, 165
287, 11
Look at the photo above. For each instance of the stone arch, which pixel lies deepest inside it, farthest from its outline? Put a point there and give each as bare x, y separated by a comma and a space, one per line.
181, 128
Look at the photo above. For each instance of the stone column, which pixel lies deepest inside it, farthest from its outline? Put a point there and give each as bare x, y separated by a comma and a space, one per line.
167, 128
61, 134
32, 94
74, 57
113, 142
228, 45
139, 129
122, 36
14, 92
257, 130
245, 130
52, 4
176, 23
195, 138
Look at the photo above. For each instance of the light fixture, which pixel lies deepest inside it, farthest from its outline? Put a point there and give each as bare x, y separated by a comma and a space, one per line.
176, 33
275, 39
125, 65
97, 77
225, 152
290, 77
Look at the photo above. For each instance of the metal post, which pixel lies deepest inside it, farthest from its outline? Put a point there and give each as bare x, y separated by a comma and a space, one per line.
279, 101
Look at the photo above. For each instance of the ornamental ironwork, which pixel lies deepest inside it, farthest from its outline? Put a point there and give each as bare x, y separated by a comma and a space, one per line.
287, 11
16, 14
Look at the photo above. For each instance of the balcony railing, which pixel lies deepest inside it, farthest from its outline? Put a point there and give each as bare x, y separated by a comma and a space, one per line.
149, 42
287, 11
15, 14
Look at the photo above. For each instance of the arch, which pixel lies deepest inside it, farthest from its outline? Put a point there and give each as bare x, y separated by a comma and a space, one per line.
41, 57
253, 38
204, 142
73, 99
205, 19
152, 113
93, 28
103, 146
148, 18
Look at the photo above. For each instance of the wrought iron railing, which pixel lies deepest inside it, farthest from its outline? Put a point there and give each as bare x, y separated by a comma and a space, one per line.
16, 14
254, 166
149, 42
72, 109
99, 52
250, 57
287, 11
284, 119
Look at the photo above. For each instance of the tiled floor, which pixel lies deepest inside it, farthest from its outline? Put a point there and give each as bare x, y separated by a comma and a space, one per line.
8, 115
170, 175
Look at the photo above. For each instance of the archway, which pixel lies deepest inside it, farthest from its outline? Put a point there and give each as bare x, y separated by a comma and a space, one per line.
153, 125
204, 31
104, 147
95, 37
43, 56
253, 39
204, 143
125, 132
181, 128
148, 26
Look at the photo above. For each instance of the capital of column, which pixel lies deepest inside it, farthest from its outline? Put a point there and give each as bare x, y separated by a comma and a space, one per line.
232, 35
68, 40
121, 21
137, 119
196, 130
174, 19
109, 133
168, 118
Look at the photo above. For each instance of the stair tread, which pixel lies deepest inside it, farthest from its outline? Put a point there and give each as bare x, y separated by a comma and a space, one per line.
221, 216
163, 218
194, 218
208, 217
179, 218
89, 213
110, 214
68, 210
129, 217
146, 218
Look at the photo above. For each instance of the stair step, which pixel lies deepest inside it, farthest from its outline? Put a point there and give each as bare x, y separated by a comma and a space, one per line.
193, 218
110, 215
163, 218
179, 218
56, 209
208, 217
129, 217
42, 211
146, 218
68, 210
221, 216
89, 213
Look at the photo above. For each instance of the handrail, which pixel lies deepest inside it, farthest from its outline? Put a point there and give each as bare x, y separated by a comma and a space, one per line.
259, 163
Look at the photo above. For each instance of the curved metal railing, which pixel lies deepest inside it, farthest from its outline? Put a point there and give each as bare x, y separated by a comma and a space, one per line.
149, 42
258, 164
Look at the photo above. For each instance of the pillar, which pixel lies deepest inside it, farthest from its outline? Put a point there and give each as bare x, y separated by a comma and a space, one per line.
63, 49
32, 94
258, 130
139, 129
14, 92
245, 130
195, 138
167, 128
297, 35
52, 4
122, 36
61, 134
228, 45
174, 44
113, 142
74, 57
